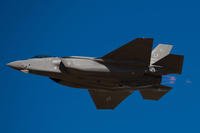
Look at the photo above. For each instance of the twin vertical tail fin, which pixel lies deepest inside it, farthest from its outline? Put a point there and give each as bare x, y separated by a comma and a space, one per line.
160, 52
170, 63
140, 50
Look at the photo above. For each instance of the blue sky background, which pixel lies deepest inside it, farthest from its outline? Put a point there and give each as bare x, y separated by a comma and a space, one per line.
34, 104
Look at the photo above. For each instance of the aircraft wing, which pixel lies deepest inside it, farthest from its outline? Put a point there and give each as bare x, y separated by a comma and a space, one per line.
108, 99
136, 50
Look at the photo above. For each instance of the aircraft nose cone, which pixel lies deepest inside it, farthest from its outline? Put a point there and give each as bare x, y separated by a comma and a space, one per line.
16, 65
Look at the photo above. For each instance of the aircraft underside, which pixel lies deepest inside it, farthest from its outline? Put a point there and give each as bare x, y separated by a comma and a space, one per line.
109, 83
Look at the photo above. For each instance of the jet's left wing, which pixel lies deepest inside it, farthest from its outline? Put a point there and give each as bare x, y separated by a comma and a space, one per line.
108, 99
136, 50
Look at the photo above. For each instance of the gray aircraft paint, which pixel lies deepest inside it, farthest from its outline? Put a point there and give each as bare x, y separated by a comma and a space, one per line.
161, 51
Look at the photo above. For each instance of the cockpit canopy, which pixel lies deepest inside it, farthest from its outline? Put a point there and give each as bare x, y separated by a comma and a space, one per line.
78, 57
41, 56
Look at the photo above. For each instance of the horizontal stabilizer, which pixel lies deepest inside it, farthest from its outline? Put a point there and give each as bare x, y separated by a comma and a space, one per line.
136, 50
108, 99
171, 64
160, 52
154, 93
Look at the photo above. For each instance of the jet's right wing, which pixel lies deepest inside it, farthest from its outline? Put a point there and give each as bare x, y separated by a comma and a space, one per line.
108, 99
136, 50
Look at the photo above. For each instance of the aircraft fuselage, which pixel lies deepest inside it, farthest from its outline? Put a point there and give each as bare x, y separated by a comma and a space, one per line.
83, 72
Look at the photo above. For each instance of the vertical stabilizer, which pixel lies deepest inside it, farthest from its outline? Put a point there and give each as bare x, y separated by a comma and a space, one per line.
160, 52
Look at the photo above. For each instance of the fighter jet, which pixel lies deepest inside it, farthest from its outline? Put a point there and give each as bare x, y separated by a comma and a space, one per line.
113, 77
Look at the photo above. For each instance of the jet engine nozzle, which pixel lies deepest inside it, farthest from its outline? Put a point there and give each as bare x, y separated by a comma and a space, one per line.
152, 69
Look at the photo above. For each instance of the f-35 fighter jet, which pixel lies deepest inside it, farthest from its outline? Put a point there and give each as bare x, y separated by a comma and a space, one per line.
113, 77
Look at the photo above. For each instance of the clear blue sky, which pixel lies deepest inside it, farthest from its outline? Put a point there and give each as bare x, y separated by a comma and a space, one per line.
34, 104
